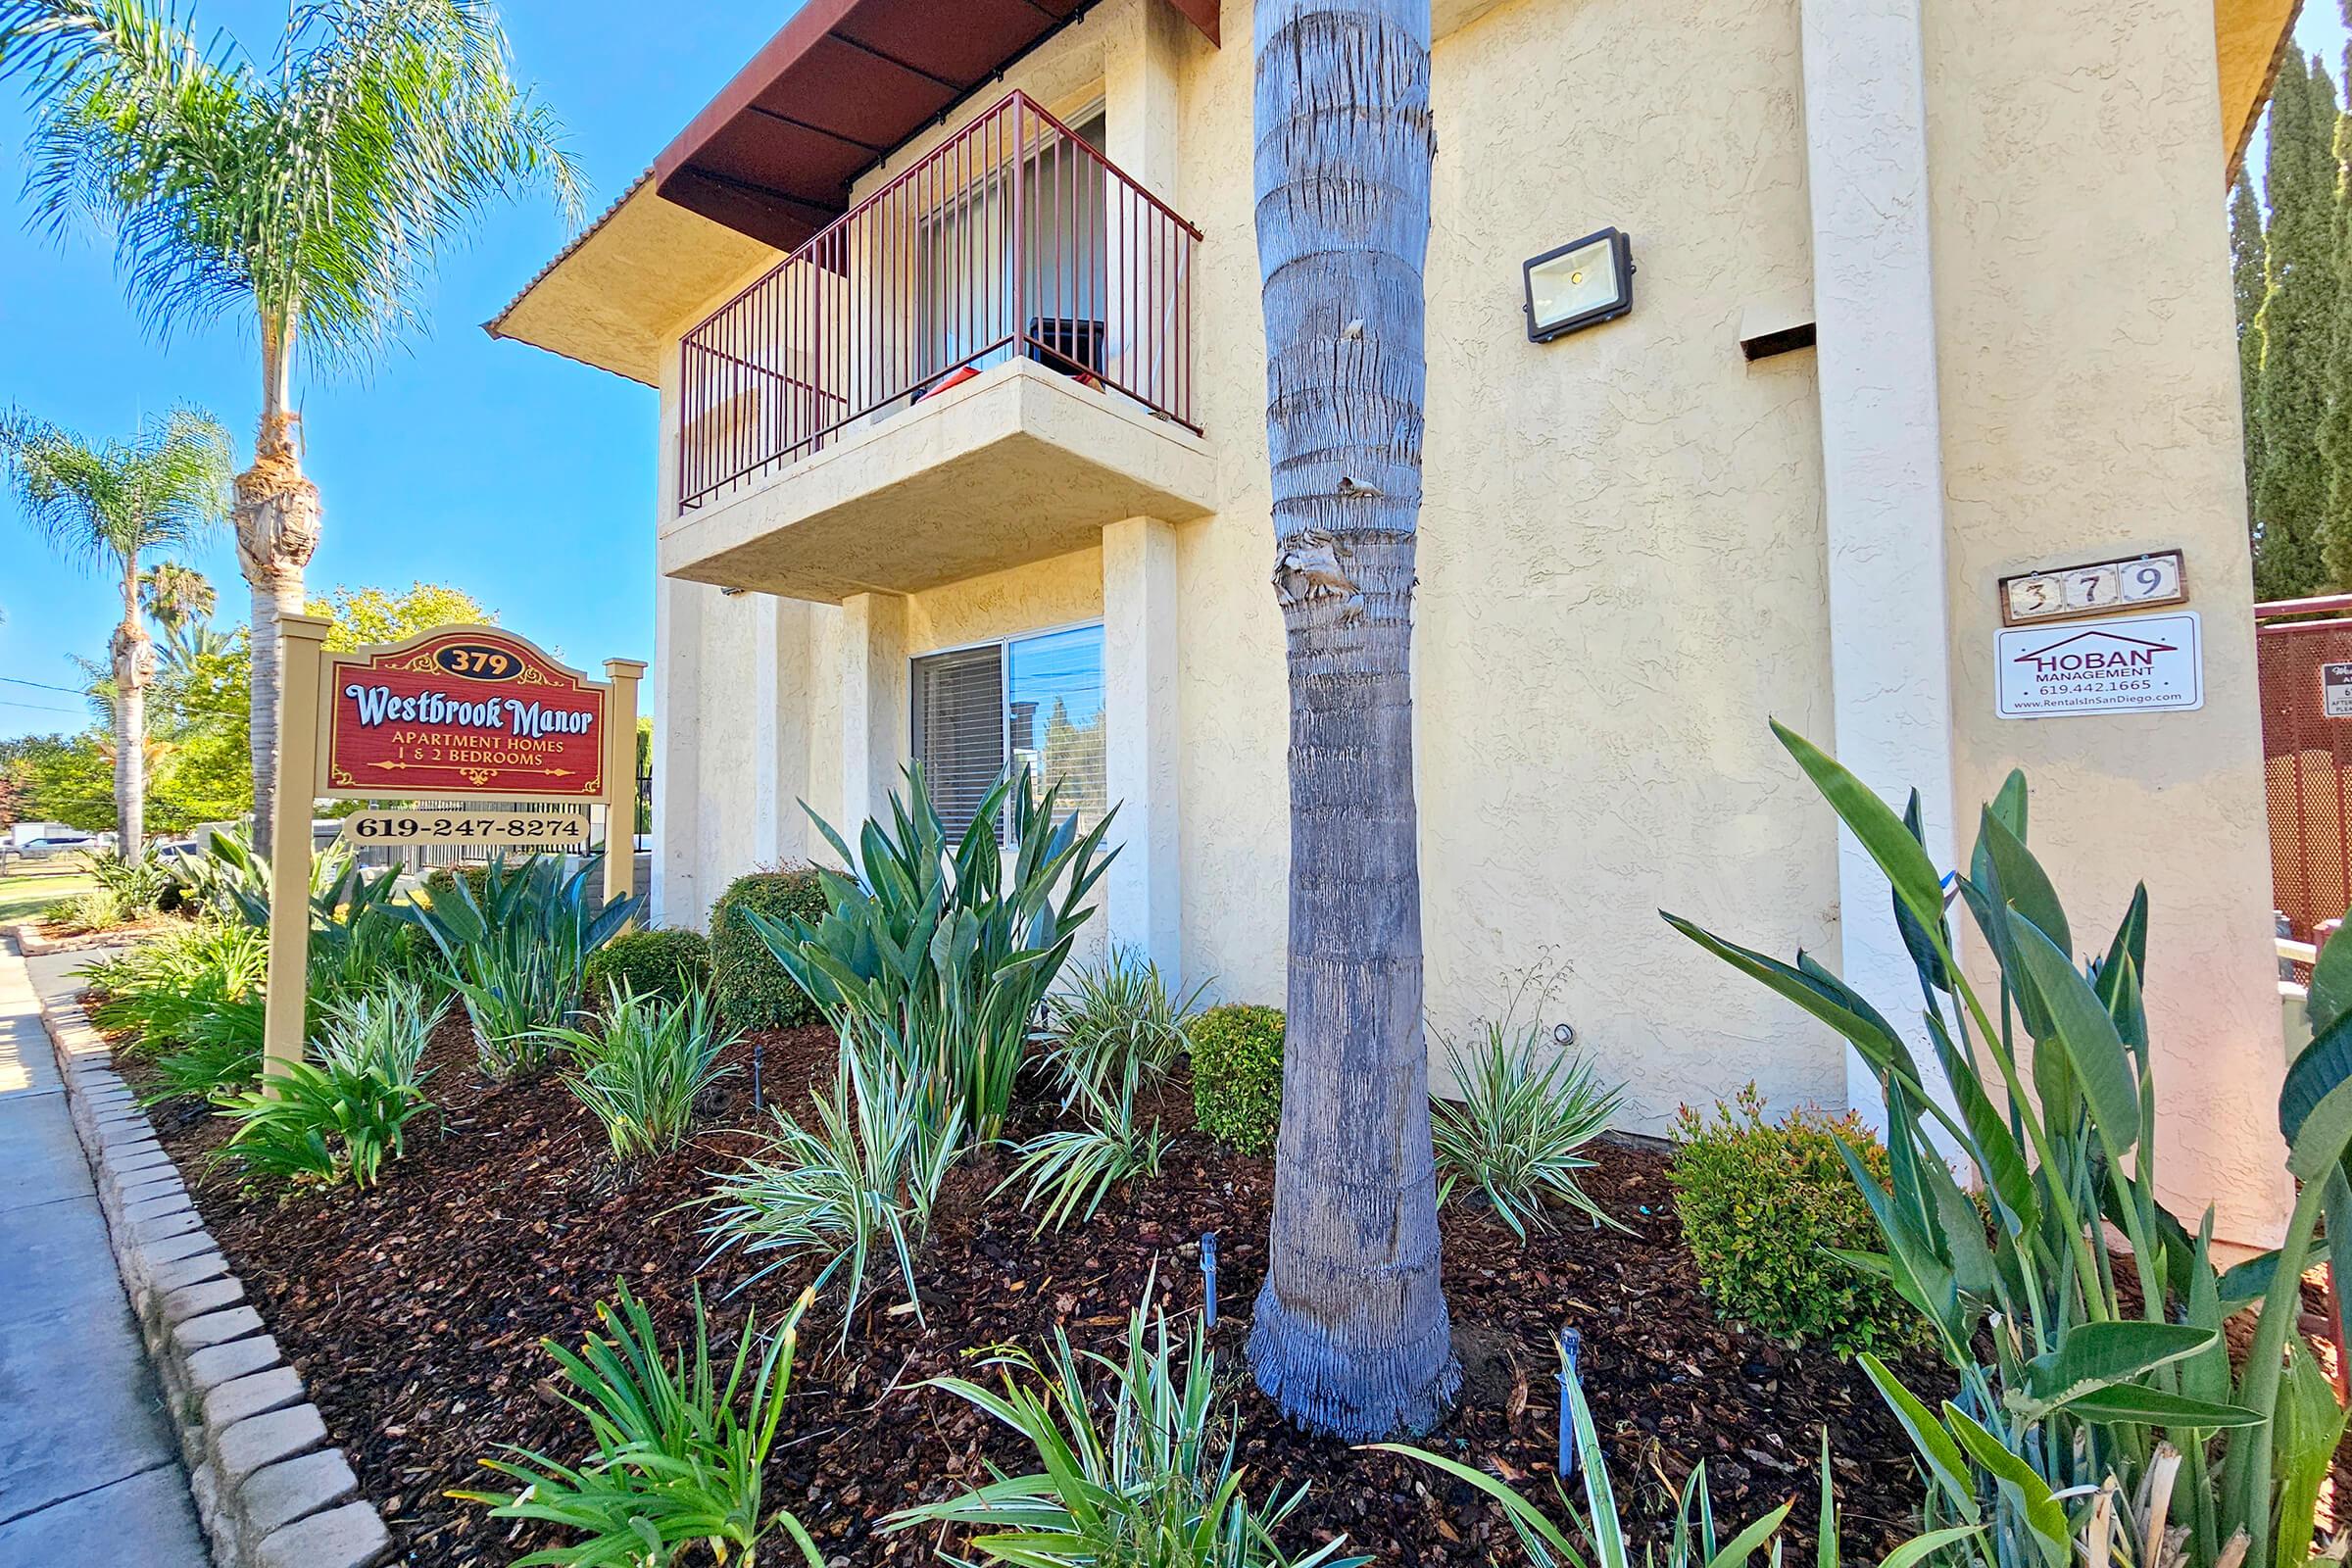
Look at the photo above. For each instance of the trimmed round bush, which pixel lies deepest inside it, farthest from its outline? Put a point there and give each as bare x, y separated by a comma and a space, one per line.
754, 992
667, 963
1761, 1204
442, 880
1237, 1075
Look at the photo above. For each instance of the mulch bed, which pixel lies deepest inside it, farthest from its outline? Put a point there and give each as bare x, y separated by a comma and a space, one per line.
414, 1313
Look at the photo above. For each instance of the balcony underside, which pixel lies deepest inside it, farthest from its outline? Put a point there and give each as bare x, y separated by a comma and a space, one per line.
1017, 465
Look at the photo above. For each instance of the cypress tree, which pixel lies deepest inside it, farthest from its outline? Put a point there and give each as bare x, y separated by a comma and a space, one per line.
2298, 325
2335, 552
2249, 287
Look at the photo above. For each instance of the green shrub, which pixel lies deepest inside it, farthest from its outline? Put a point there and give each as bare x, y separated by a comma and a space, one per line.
669, 963
754, 991
1237, 1075
1762, 1203
677, 1454
440, 883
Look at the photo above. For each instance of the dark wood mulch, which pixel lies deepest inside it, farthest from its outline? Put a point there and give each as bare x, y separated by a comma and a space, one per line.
414, 1313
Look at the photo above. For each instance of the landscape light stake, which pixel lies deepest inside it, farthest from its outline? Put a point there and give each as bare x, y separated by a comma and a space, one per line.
1571, 1342
1209, 1278
758, 1049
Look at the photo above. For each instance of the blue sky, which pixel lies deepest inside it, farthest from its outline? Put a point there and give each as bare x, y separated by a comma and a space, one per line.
525, 480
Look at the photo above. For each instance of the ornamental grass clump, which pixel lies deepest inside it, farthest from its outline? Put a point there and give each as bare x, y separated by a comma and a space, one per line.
1115, 1014
865, 1175
339, 1119
641, 1072
2092, 1407
163, 990
1136, 1468
1596, 1536
1526, 1112
940, 957
677, 1451
1768, 1209
1072, 1169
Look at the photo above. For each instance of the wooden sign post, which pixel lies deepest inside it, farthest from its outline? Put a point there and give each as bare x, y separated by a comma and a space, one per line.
458, 713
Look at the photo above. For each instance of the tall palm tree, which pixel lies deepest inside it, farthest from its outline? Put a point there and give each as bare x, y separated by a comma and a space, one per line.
311, 192
1351, 1334
110, 505
175, 593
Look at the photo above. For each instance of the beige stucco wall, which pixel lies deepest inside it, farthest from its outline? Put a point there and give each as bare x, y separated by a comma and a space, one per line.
2090, 407
1623, 560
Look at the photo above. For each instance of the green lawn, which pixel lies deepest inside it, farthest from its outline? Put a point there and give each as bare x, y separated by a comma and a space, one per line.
23, 897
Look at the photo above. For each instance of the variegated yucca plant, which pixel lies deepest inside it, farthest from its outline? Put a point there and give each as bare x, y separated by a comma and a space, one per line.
2082, 1423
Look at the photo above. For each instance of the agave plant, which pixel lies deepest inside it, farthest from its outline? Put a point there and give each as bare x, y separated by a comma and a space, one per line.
2070, 1397
942, 956
517, 953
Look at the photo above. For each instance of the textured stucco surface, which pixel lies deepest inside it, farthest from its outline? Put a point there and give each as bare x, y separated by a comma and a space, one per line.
1624, 559
2090, 410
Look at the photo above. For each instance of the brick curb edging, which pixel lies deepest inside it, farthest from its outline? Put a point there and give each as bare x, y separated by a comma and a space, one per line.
271, 1491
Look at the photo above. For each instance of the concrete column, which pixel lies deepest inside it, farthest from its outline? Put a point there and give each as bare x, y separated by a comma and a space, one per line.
781, 699
1140, 704
1882, 462
875, 716
1142, 60
679, 898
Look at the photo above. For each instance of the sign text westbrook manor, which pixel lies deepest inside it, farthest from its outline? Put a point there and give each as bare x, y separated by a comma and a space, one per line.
525, 720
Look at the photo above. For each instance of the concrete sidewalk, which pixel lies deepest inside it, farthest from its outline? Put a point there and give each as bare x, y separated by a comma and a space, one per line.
90, 1474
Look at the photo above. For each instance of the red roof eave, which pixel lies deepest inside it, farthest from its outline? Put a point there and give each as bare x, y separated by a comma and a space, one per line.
841, 86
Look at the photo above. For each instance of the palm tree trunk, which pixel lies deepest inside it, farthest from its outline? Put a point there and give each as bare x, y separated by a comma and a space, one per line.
1350, 1335
134, 666
277, 518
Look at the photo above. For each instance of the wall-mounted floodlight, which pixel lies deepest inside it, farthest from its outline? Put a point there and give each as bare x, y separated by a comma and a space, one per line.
1580, 286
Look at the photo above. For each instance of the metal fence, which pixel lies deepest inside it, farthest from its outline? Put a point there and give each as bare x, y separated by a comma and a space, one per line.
2303, 651
1015, 237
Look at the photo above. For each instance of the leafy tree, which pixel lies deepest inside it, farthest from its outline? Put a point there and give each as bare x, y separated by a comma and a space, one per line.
109, 505
58, 778
364, 616
2298, 326
311, 193
1351, 1334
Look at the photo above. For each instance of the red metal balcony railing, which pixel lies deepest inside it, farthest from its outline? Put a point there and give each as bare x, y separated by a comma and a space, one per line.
1015, 237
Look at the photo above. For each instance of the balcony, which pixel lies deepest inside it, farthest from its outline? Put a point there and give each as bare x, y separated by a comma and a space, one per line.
981, 364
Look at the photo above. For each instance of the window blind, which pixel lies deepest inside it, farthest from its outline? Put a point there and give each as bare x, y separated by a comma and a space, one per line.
959, 729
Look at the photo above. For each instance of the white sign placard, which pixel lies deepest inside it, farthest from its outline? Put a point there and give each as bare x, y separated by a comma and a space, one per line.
2335, 691
2148, 663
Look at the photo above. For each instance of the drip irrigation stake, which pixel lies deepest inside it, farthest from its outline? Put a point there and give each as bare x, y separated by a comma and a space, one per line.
757, 1049
1209, 1278
1571, 1344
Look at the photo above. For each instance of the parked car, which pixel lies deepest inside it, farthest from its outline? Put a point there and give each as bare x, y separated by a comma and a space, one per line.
50, 848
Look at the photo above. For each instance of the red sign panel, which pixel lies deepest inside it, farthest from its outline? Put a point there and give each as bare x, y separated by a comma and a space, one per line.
460, 713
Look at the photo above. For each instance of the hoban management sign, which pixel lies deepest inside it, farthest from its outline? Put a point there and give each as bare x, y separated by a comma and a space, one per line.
2148, 663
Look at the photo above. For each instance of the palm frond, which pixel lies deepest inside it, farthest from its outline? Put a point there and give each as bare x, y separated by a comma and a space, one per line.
109, 502
318, 192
